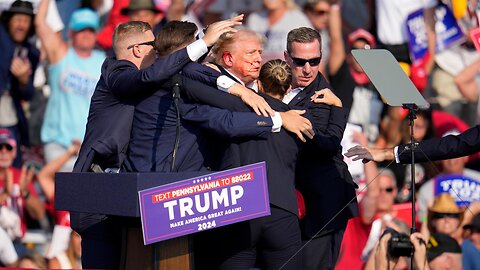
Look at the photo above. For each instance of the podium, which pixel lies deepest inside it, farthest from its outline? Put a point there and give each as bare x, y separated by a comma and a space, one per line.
117, 195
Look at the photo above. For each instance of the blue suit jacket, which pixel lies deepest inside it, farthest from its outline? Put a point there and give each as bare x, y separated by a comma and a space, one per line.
109, 123
279, 150
154, 129
120, 87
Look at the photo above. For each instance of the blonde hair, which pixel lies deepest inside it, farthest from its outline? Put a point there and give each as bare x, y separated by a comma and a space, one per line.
228, 41
126, 30
276, 77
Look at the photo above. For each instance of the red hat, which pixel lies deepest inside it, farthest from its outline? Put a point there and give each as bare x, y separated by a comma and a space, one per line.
361, 34
6, 137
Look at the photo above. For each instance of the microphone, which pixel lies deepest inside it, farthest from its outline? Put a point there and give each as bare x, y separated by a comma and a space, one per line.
177, 83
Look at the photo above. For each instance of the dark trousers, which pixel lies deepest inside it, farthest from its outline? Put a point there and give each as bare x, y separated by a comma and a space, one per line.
322, 252
101, 245
270, 242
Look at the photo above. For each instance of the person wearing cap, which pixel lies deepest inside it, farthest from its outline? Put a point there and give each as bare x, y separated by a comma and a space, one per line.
17, 192
145, 11
443, 252
364, 95
444, 216
73, 73
19, 58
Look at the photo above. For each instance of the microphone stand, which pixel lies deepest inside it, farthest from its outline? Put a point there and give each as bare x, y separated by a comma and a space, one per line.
412, 108
177, 80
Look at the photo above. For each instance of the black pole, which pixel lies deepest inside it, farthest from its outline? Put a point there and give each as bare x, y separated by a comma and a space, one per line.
411, 117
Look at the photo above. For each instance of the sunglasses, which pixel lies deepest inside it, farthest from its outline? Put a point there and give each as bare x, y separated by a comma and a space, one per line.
444, 215
300, 62
320, 12
388, 189
6, 146
149, 43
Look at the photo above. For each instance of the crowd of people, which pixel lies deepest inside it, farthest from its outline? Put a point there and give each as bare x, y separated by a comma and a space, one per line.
86, 85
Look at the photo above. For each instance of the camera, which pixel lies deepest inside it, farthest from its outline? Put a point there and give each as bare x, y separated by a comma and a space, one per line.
399, 244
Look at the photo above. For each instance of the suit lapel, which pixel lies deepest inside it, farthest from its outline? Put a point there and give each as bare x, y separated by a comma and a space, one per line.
305, 93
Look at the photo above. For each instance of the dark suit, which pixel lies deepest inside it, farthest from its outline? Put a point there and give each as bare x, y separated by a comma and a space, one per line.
466, 143
107, 134
275, 238
324, 180
154, 129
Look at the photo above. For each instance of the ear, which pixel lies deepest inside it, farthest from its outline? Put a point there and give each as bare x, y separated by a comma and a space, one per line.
138, 52
227, 59
285, 56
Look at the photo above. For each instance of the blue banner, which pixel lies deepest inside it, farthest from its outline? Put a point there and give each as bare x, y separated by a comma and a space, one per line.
447, 31
462, 188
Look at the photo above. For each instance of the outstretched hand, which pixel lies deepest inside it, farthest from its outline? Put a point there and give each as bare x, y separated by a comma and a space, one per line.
215, 30
294, 122
368, 154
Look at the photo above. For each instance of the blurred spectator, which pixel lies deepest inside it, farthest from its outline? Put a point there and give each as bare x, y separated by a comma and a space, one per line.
451, 61
471, 245
326, 18
8, 255
444, 216
391, 17
395, 130
18, 197
443, 252
367, 106
70, 258
116, 17
18, 59
274, 21
359, 228
356, 14
32, 261
454, 167
73, 73
216, 10
145, 11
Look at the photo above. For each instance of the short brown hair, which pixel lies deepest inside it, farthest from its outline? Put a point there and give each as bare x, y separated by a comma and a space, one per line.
276, 77
173, 36
125, 30
302, 35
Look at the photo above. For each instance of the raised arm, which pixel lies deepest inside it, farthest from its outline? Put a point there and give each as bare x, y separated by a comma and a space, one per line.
53, 42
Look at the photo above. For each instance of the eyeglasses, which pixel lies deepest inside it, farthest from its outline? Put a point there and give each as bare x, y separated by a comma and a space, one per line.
320, 12
149, 43
388, 189
6, 146
300, 62
444, 215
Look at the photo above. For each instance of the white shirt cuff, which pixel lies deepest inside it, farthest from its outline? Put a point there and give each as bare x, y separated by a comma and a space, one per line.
197, 49
277, 122
224, 82
395, 152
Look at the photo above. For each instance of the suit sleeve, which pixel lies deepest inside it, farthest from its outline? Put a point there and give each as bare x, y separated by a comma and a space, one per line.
126, 81
199, 92
226, 123
448, 147
329, 124
201, 73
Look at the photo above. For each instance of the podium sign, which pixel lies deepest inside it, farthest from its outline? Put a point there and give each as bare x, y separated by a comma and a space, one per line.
204, 202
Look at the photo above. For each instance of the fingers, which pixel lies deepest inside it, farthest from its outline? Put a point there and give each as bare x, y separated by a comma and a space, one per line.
300, 136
